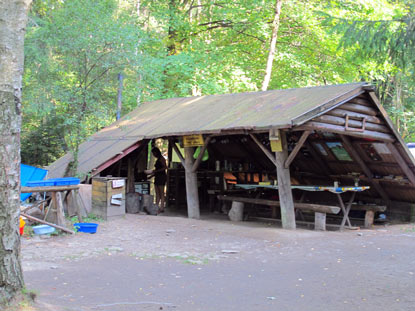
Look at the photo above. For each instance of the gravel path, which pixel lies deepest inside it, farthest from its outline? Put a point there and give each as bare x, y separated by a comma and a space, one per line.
162, 263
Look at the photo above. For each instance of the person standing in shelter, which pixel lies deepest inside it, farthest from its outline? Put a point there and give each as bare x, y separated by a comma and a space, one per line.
160, 177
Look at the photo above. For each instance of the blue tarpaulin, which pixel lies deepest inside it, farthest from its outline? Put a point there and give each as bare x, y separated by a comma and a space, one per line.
30, 173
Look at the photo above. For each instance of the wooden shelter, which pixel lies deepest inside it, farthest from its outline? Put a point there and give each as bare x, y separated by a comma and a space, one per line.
316, 136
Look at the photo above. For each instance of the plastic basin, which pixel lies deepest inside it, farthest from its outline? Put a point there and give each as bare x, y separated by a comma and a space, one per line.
86, 227
43, 229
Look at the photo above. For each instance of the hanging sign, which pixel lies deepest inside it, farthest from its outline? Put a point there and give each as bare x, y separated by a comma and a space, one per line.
193, 140
276, 145
275, 140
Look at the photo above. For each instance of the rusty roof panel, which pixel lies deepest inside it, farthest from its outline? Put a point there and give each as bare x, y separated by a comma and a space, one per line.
204, 114
209, 114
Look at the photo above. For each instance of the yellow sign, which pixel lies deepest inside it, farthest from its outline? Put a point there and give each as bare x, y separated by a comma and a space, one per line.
275, 139
193, 140
276, 145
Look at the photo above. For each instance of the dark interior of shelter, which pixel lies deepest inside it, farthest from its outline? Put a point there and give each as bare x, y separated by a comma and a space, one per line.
324, 160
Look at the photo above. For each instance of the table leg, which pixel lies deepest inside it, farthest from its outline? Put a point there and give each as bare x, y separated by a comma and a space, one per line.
298, 212
59, 210
346, 210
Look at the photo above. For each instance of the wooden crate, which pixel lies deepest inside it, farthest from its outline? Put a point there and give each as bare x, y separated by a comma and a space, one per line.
108, 197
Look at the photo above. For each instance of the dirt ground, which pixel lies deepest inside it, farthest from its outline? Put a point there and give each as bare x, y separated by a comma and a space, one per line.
174, 263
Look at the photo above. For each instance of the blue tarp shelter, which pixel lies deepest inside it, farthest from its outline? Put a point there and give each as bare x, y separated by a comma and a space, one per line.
30, 173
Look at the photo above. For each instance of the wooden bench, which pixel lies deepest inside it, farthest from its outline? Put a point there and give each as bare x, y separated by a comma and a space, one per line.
320, 211
370, 212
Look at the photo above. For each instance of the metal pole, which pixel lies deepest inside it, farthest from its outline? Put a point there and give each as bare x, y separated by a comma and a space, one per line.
119, 97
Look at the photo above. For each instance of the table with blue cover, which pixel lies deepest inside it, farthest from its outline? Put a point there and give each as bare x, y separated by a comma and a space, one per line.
57, 187
333, 189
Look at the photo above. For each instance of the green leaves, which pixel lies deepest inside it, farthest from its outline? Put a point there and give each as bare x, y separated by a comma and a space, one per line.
75, 49
385, 39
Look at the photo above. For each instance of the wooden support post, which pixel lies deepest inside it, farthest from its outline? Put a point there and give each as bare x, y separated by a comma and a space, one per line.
369, 219
274, 212
412, 214
48, 208
80, 205
59, 209
192, 192
356, 157
130, 176
320, 221
297, 148
402, 163
237, 211
284, 186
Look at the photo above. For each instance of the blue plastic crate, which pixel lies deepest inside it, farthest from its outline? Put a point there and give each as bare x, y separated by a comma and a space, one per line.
66, 181
40, 183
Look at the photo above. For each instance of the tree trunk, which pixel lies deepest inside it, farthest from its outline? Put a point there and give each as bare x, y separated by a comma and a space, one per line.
13, 18
274, 36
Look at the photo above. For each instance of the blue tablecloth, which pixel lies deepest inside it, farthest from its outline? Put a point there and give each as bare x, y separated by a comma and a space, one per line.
308, 188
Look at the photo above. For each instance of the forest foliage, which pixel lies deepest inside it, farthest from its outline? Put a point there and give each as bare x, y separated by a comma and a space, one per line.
74, 51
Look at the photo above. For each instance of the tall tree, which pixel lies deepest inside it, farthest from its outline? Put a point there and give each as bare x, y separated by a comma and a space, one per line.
387, 39
13, 18
272, 45
77, 53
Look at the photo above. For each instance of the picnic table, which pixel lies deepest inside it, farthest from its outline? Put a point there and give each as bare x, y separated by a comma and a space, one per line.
333, 189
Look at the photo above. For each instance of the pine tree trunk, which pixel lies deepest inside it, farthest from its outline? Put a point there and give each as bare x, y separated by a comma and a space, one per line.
13, 18
273, 43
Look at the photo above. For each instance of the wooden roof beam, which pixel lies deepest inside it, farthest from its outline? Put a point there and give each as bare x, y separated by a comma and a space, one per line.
401, 162
297, 148
264, 149
352, 123
179, 154
356, 157
324, 127
200, 156
115, 159
323, 165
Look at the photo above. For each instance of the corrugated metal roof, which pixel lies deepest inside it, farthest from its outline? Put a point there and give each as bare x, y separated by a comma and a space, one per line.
207, 114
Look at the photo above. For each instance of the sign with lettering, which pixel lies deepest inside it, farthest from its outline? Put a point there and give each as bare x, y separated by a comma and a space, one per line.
275, 140
193, 140
116, 199
118, 183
